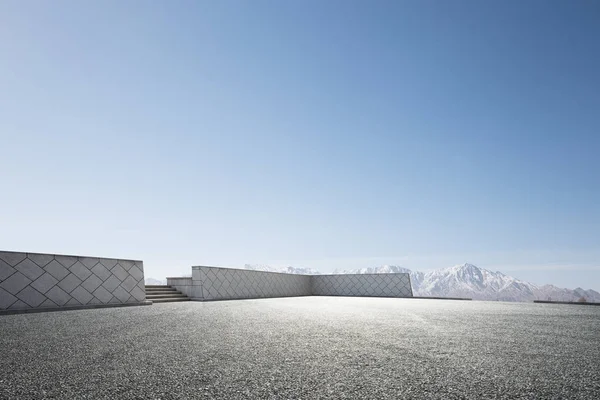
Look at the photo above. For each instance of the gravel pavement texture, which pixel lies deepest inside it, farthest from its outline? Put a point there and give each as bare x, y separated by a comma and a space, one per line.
306, 347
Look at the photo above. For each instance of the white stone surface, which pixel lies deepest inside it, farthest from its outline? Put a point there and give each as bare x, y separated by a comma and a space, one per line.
92, 283
40, 259
101, 271
5, 270
6, 299
48, 304
228, 283
12, 258
129, 283
30, 269
58, 296
69, 283
57, 270
121, 294
102, 294
31, 296
44, 283
80, 271
15, 283
111, 283
119, 272
31, 280
19, 305
363, 285
81, 295
215, 283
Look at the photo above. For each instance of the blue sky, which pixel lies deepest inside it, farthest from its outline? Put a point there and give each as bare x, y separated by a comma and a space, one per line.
334, 134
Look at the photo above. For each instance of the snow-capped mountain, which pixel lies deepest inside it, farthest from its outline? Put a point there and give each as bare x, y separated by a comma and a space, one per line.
468, 280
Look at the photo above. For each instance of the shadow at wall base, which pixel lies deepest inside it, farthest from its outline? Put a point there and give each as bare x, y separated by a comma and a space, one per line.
573, 303
73, 308
313, 295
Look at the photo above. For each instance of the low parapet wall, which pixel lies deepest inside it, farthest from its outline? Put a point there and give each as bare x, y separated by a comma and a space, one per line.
362, 285
216, 283
50, 281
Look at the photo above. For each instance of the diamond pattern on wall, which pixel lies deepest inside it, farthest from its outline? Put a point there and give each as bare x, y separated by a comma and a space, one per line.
12, 258
57, 270
41, 259
6, 299
382, 285
227, 283
69, 283
80, 271
31, 296
29, 269
15, 283
5, 270
30, 280
109, 263
91, 283
215, 283
44, 283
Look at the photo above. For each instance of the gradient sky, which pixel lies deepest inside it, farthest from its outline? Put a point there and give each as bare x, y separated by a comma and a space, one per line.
323, 134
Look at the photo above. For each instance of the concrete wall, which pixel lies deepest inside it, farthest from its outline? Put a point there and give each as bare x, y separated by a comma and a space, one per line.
32, 280
363, 285
214, 283
228, 283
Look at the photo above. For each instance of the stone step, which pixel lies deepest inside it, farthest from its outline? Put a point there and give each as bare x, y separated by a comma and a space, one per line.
170, 300
162, 291
164, 296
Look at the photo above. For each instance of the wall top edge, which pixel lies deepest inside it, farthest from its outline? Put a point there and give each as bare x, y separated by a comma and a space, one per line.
178, 277
250, 270
287, 273
371, 274
71, 255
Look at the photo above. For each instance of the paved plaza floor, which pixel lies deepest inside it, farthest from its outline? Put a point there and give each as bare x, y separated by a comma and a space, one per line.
307, 347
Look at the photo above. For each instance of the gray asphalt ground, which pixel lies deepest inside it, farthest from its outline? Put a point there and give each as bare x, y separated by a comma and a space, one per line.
311, 348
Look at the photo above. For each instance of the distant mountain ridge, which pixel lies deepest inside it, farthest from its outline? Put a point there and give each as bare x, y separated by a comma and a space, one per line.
152, 281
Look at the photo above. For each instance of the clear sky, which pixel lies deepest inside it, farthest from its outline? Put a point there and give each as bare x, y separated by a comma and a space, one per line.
324, 134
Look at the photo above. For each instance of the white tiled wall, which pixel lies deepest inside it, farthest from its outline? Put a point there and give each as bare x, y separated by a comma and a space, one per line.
227, 283
363, 285
215, 283
31, 280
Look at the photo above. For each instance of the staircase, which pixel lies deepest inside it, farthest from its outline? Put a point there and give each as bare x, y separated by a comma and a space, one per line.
164, 294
